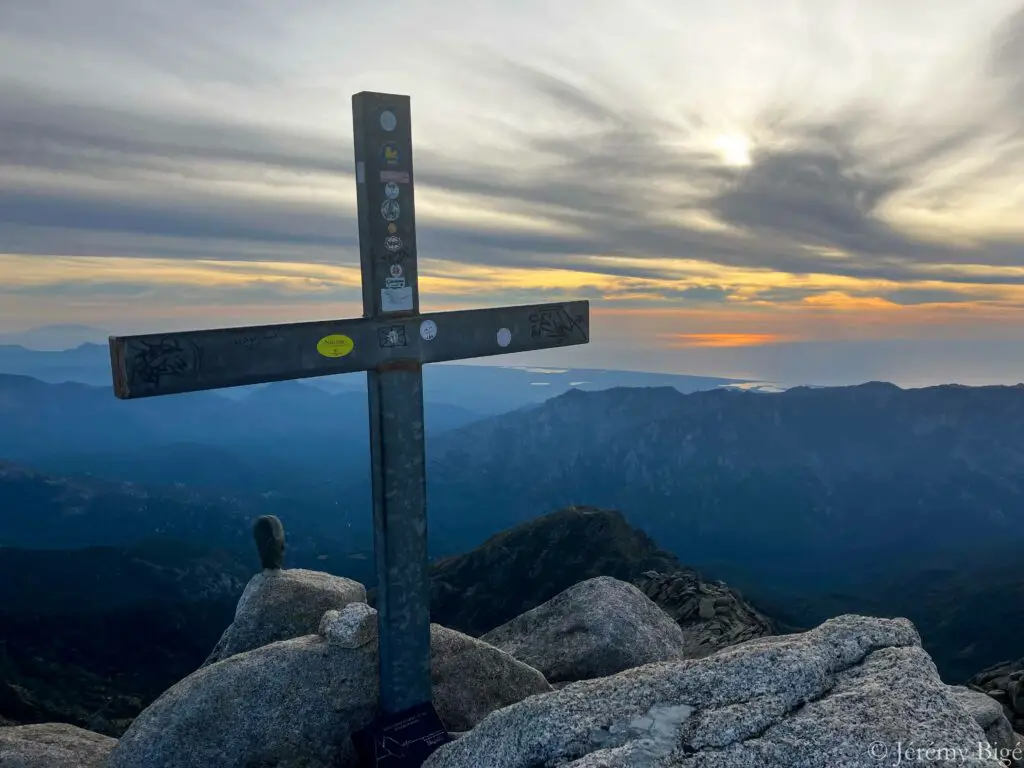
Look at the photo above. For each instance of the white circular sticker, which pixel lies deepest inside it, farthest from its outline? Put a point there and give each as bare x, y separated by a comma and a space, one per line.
428, 330
388, 121
391, 190
396, 270
504, 337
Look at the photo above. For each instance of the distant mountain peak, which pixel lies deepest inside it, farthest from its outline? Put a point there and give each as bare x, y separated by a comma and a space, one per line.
557, 550
54, 338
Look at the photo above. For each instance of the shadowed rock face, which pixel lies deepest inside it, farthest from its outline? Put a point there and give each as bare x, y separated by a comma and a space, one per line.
821, 698
269, 535
1004, 683
90, 637
53, 745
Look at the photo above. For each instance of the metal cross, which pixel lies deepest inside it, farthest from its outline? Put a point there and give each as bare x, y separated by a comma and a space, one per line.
391, 342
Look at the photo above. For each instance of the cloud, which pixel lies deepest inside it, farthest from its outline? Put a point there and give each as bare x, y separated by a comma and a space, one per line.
722, 340
1007, 56
817, 197
701, 293
784, 295
613, 185
926, 296
880, 171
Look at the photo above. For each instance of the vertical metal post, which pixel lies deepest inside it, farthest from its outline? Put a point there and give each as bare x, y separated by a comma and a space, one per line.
387, 246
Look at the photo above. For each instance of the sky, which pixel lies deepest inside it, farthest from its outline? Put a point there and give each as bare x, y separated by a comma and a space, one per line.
822, 192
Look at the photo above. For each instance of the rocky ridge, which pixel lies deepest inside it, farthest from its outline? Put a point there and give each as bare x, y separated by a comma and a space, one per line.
839, 694
484, 588
851, 692
1004, 683
854, 691
295, 703
522, 567
711, 614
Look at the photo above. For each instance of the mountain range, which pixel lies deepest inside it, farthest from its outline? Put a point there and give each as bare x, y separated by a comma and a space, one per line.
819, 481
483, 389
813, 478
92, 635
812, 501
54, 338
289, 438
49, 512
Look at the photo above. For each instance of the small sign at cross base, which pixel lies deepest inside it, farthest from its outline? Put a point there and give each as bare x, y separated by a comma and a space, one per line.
404, 740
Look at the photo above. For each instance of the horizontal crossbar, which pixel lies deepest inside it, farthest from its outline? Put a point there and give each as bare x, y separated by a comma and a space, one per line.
172, 363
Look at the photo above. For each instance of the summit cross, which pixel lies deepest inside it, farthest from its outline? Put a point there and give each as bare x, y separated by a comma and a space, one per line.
391, 342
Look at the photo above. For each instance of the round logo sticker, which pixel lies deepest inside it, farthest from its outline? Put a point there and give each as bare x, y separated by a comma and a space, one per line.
390, 209
391, 190
388, 121
428, 330
396, 270
392, 229
389, 153
394, 243
504, 337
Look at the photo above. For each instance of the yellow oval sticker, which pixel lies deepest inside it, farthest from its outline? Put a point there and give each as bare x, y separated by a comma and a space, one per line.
335, 345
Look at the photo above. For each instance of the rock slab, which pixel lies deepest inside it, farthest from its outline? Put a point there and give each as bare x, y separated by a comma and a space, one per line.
296, 703
53, 745
987, 713
283, 604
596, 628
853, 692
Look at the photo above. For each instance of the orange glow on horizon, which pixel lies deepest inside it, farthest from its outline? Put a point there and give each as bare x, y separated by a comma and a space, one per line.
738, 310
722, 340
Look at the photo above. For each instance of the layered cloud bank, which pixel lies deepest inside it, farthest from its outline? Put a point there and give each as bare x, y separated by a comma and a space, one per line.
820, 191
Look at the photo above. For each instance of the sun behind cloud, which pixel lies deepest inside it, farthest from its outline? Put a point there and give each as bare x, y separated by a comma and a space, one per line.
734, 149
